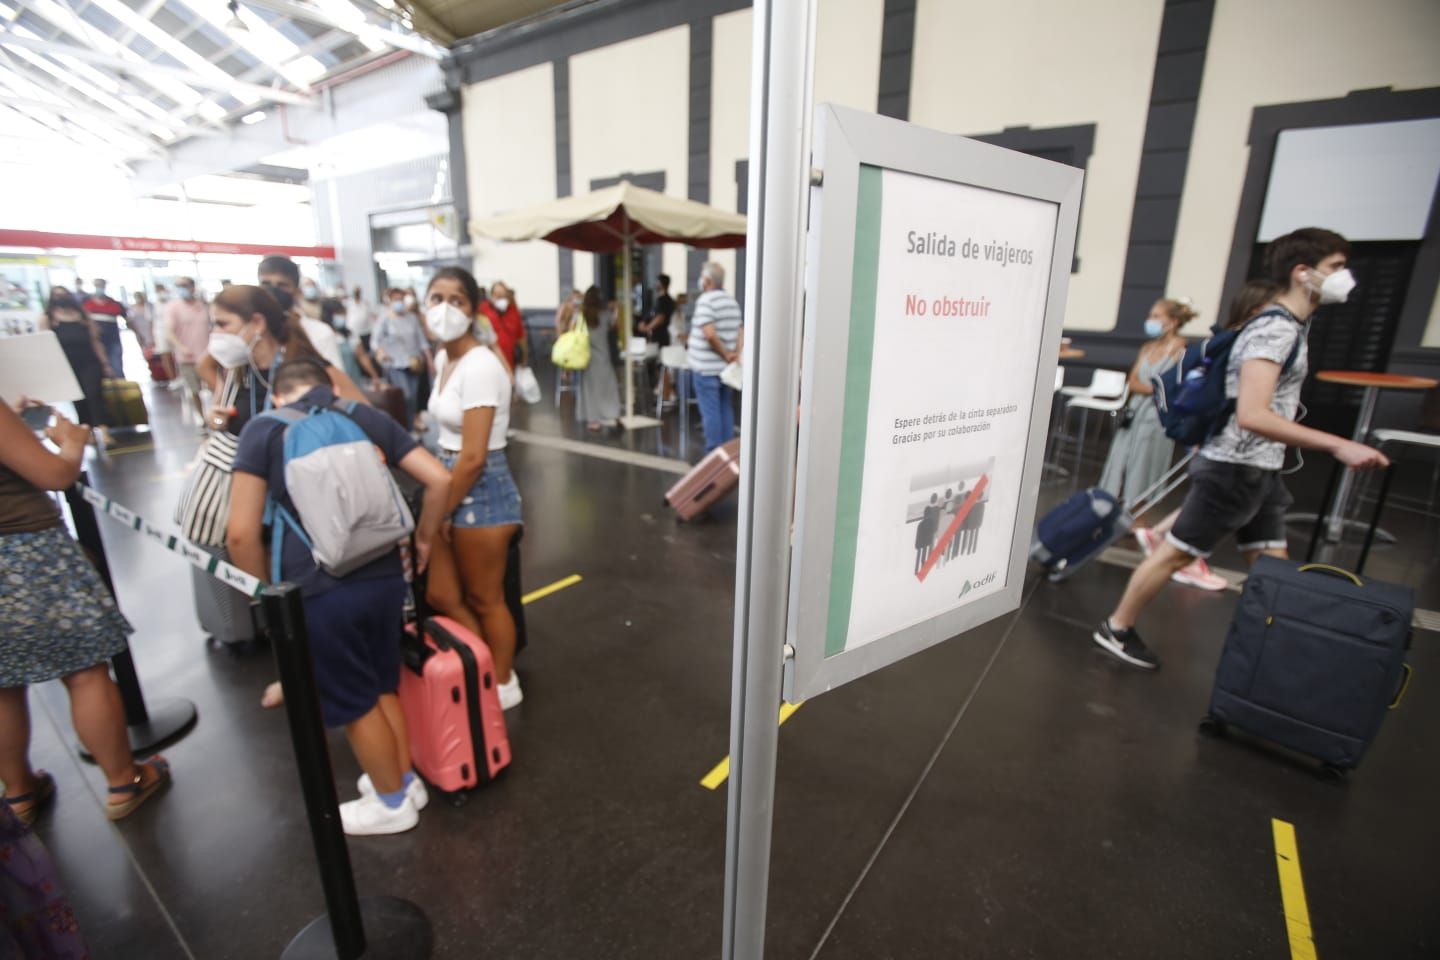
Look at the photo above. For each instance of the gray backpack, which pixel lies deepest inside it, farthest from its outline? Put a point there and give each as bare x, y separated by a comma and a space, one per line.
350, 511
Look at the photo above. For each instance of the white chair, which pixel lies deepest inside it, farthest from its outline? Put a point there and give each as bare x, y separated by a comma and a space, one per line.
1104, 384
1108, 393
676, 361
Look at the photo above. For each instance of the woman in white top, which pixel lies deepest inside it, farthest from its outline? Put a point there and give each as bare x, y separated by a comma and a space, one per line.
471, 406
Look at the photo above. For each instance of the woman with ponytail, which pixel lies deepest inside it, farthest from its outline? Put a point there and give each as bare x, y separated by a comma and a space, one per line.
253, 333
1141, 452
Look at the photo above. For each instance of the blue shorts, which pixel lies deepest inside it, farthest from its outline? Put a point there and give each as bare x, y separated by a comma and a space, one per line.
355, 645
494, 500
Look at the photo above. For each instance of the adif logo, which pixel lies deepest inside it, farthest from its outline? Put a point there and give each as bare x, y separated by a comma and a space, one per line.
984, 581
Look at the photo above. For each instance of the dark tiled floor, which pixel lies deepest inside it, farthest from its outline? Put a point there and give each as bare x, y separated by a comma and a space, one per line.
1071, 810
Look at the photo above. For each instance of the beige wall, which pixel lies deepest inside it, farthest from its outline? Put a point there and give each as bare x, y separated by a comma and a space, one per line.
847, 52
729, 121
630, 113
847, 71
1081, 63
1284, 51
516, 112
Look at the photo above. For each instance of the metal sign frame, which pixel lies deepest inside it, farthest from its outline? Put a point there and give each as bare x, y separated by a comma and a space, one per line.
846, 140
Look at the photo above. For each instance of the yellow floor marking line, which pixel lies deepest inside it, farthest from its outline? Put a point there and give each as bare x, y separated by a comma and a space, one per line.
1292, 892
721, 772
555, 587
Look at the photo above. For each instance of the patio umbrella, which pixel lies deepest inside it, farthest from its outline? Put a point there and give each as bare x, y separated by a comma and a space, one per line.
617, 218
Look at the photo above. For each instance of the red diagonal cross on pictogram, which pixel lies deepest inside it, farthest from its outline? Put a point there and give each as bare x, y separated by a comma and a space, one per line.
954, 528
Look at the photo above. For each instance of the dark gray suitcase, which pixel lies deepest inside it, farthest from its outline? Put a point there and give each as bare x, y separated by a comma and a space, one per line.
1314, 659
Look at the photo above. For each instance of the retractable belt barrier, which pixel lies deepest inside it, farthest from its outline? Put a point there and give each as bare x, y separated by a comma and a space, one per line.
373, 927
197, 556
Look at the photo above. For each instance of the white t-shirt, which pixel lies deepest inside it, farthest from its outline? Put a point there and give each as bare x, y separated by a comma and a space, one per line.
323, 339
479, 380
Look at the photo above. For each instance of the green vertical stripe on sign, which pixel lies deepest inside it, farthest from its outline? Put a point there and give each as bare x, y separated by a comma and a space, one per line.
864, 277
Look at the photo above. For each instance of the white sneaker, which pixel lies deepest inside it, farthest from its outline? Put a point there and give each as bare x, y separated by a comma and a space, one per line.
510, 694
417, 793
1147, 539
369, 817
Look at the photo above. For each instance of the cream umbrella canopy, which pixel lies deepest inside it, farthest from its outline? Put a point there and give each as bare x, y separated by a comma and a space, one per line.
617, 218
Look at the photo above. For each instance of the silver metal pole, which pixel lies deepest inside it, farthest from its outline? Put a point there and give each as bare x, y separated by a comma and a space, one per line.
780, 115
628, 320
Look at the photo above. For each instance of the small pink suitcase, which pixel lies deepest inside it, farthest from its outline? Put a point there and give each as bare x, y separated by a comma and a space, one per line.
452, 708
704, 486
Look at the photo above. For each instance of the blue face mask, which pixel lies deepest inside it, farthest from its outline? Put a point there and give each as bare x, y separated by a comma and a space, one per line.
1153, 328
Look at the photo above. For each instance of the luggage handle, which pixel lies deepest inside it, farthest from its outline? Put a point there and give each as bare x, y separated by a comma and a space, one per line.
1167, 483
1404, 685
1333, 571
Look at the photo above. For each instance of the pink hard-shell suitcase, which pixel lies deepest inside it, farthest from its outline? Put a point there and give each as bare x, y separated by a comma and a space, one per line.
452, 707
704, 486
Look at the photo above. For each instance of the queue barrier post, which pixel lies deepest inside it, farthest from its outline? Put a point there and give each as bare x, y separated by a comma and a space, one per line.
149, 726
376, 928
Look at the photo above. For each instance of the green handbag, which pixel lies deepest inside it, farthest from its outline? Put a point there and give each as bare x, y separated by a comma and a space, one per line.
572, 348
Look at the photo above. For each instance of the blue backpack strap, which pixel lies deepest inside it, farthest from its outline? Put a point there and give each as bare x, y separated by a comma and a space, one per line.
279, 518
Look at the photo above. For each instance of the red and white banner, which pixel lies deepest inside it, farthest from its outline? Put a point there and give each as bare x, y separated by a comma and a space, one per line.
85, 241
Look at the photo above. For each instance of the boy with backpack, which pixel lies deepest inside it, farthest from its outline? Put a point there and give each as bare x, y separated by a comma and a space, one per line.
1235, 482
312, 473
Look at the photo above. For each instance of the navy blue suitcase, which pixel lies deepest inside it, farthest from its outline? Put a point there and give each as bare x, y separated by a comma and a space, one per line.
1314, 659
1089, 520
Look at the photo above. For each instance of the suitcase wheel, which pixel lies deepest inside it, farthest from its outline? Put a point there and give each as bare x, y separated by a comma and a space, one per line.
458, 799
1213, 726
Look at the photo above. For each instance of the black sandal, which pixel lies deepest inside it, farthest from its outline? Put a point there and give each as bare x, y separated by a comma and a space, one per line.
137, 790
38, 798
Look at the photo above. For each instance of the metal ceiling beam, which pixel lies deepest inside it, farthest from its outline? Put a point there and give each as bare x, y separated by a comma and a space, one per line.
67, 22
394, 38
227, 85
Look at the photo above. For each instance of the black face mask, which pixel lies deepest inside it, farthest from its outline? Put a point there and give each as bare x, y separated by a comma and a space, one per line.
281, 295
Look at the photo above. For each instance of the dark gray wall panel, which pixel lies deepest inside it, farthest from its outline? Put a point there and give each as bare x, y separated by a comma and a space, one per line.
897, 46
566, 277
701, 80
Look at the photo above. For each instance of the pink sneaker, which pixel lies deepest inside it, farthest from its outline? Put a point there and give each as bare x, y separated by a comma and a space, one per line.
1198, 574
1148, 539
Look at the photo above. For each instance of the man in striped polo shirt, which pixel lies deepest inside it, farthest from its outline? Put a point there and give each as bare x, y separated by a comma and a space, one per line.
717, 335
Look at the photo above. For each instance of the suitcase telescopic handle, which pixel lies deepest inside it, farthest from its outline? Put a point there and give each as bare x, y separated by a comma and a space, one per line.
1333, 571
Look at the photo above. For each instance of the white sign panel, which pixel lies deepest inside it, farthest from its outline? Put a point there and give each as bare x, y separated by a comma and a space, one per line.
938, 273
961, 279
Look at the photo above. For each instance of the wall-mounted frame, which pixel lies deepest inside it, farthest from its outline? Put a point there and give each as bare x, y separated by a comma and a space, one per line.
937, 271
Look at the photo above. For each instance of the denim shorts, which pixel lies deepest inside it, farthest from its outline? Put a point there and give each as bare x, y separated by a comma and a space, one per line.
494, 500
1226, 498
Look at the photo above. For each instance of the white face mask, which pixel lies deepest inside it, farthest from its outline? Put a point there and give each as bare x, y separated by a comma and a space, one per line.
502, 304
1336, 287
230, 350
446, 322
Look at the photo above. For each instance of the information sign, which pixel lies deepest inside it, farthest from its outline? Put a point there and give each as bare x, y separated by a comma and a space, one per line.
938, 268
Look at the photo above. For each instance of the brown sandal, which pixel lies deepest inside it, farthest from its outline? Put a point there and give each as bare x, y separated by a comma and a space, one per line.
38, 798
137, 790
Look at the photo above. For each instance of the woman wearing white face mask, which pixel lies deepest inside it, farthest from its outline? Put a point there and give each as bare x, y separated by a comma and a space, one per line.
471, 406
253, 334
509, 325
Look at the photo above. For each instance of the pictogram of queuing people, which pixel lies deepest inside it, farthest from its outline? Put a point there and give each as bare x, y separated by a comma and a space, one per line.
949, 524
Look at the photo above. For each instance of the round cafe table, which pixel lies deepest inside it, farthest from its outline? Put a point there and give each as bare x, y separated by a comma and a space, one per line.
1372, 383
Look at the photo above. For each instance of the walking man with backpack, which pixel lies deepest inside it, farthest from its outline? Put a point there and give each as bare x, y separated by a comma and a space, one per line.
315, 470
1235, 482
